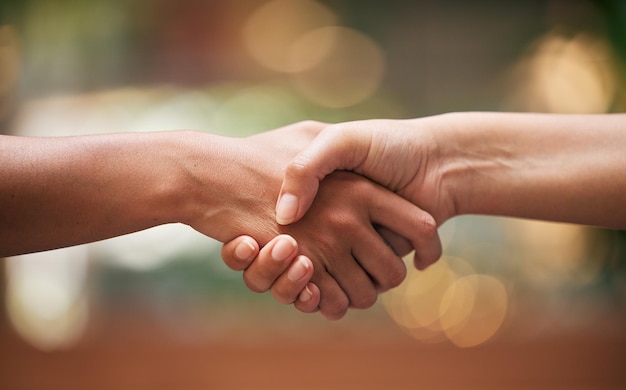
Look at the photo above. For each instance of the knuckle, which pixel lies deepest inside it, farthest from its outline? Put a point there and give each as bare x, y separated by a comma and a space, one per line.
327, 250
335, 310
342, 222
362, 190
234, 263
297, 169
305, 308
268, 272
282, 296
254, 284
337, 130
365, 299
333, 315
394, 277
229, 259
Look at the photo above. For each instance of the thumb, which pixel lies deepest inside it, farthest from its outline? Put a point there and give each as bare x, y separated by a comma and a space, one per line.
335, 148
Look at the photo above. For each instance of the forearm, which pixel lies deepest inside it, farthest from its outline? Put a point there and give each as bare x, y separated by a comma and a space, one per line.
553, 167
57, 192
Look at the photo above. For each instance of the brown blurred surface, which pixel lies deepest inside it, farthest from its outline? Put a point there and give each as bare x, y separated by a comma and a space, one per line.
125, 354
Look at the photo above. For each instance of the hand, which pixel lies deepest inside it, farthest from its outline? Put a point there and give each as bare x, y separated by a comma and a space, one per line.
277, 267
398, 154
285, 278
351, 261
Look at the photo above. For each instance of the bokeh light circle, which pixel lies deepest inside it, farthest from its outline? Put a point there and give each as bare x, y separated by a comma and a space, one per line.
473, 309
349, 66
272, 30
565, 75
449, 301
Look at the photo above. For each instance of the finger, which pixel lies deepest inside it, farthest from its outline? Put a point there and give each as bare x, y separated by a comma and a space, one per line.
331, 150
400, 245
271, 262
406, 219
352, 278
240, 252
333, 300
309, 299
291, 283
385, 268
421, 263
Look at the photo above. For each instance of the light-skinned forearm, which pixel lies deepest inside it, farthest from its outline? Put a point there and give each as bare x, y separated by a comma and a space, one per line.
569, 168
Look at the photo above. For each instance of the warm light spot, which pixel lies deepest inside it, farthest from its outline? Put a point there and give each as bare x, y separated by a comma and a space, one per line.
459, 266
553, 253
473, 309
272, 30
395, 304
425, 292
406, 302
448, 301
313, 48
457, 304
565, 75
46, 298
350, 68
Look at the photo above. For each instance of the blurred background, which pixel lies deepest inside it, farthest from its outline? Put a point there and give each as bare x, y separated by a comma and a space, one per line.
512, 303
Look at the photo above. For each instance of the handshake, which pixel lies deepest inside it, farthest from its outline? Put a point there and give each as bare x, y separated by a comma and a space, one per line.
353, 198
342, 235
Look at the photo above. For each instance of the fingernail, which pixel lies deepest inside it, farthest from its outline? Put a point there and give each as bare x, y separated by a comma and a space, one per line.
297, 271
244, 250
286, 209
305, 295
282, 249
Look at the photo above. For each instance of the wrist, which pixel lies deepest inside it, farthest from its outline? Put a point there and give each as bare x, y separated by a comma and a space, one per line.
196, 187
474, 158
223, 184
167, 184
539, 166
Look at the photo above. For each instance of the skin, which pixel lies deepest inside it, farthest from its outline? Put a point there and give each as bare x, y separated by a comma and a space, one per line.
57, 192
260, 268
565, 168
